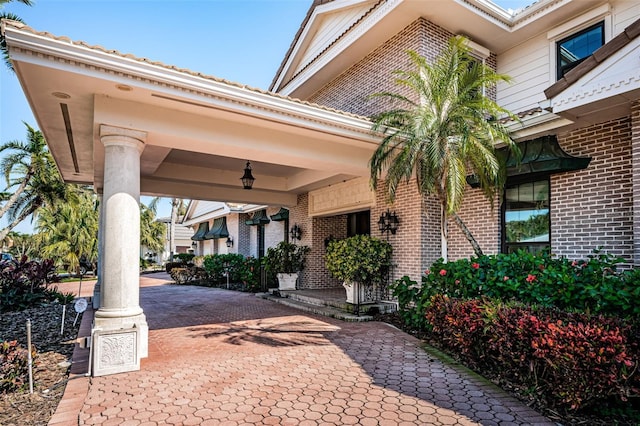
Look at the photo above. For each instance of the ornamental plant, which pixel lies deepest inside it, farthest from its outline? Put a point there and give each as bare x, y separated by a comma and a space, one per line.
571, 361
14, 370
286, 258
361, 258
589, 285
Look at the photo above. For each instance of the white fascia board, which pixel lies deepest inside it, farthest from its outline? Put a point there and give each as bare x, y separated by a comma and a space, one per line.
261, 104
340, 46
222, 211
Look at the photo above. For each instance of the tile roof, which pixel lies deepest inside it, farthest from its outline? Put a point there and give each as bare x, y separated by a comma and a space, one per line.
599, 56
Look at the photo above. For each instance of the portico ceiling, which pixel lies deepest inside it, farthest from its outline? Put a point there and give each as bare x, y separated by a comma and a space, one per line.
200, 130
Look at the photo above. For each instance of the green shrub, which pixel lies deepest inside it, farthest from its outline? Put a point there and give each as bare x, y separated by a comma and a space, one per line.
170, 265
14, 367
361, 258
185, 257
572, 361
592, 285
216, 266
285, 257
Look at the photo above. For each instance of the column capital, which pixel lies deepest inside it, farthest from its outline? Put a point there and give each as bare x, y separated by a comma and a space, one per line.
112, 135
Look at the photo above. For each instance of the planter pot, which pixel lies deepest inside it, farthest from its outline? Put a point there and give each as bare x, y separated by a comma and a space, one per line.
287, 281
352, 289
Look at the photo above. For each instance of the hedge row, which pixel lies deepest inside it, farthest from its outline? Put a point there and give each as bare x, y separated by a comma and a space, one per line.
571, 361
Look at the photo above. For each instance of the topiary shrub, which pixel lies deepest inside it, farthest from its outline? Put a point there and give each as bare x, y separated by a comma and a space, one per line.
361, 258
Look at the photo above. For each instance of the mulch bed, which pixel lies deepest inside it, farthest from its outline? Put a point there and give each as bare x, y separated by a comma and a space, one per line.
51, 365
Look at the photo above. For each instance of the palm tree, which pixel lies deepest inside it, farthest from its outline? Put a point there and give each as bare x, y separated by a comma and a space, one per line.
44, 188
13, 17
446, 131
151, 231
22, 158
68, 229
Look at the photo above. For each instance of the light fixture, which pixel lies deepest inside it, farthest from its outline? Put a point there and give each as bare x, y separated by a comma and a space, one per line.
194, 245
296, 232
247, 178
229, 241
388, 222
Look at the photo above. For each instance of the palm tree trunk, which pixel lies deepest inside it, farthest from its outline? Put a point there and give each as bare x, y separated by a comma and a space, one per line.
467, 233
4, 232
444, 234
7, 205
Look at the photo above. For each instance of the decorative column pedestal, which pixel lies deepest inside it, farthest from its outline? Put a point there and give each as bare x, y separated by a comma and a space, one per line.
120, 330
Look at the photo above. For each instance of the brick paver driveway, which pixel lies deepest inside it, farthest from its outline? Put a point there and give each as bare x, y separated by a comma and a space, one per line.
220, 357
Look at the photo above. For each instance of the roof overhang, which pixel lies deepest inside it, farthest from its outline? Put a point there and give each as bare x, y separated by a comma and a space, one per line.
200, 130
337, 34
604, 86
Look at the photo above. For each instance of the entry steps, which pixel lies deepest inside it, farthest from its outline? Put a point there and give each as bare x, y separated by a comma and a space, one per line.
329, 303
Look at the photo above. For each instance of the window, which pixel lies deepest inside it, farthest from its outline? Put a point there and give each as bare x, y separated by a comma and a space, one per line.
571, 51
525, 217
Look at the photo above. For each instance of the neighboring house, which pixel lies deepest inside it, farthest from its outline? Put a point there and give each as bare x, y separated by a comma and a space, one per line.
182, 242
247, 229
575, 66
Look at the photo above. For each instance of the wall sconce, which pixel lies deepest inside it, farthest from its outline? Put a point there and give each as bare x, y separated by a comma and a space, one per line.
388, 222
247, 178
296, 232
229, 241
194, 245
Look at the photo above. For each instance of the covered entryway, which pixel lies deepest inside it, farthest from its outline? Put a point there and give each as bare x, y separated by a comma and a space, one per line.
129, 126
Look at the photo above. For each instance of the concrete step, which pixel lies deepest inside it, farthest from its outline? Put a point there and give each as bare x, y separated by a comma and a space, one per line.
326, 311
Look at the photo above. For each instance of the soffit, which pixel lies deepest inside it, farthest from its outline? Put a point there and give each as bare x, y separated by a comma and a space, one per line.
200, 130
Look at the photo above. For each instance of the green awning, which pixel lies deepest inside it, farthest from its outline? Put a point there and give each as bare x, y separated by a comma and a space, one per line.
259, 218
283, 214
218, 230
540, 155
203, 228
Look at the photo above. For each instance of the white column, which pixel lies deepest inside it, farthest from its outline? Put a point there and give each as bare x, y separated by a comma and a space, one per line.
120, 326
99, 269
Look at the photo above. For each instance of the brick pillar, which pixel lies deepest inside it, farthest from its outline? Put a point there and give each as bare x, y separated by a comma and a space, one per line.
635, 167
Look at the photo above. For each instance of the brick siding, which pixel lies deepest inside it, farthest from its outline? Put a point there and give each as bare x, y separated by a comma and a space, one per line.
635, 150
482, 221
374, 73
593, 208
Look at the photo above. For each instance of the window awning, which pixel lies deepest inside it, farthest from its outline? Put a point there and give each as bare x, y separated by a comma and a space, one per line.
218, 230
203, 228
540, 155
283, 214
259, 218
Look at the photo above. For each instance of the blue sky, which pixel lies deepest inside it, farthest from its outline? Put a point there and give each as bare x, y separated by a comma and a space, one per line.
239, 40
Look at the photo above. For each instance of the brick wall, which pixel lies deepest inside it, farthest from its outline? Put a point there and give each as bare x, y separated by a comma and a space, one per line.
635, 150
373, 74
482, 221
273, 231
414, 247
594, 207
242, 243
352, 89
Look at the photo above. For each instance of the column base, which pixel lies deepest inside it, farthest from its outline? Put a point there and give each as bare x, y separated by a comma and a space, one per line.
119, 343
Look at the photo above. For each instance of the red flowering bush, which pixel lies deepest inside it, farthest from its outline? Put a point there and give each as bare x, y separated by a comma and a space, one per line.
571, 361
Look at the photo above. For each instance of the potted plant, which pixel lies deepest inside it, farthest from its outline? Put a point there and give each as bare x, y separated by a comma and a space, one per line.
286, 260
360, 262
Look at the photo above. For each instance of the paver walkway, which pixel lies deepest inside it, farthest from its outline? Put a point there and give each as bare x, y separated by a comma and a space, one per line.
219, 357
